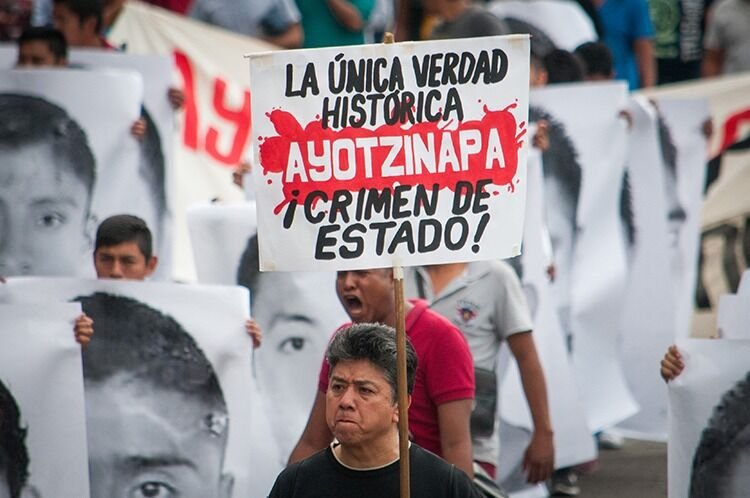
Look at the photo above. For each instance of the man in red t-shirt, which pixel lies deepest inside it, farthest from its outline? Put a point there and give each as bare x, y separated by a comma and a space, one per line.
443, 395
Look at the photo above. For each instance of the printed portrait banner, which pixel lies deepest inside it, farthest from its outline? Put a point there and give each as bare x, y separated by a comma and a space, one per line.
40, 366
733, 317
192, 420
213, 128
573, 442
96, 158
296, 328
588, 142
159, 141
708, 452
647, 325
685, 119
726, 207
382, 155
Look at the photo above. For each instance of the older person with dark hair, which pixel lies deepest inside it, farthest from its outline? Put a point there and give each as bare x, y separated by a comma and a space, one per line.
362, 413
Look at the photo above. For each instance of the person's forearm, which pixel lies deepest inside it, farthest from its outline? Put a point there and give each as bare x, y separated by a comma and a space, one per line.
346, 14
303, 450
459, 454
644, 56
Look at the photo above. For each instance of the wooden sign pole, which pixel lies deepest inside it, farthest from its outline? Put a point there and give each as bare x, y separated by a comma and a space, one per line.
403, 394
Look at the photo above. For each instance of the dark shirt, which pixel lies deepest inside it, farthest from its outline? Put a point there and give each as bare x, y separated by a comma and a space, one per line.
323, 476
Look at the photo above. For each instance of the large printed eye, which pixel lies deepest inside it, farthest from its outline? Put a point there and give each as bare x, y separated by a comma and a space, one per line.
154, 489
50, 219
292, 345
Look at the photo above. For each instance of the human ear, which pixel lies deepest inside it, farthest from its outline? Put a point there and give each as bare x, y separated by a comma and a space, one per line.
151, 265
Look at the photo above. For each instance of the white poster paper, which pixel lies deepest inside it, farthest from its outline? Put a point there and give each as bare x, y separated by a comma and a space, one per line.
68, 160
685, 120
647, 327
588, 143
708, 452
382, 155
148, 384
158, 144
40, 370
573, 441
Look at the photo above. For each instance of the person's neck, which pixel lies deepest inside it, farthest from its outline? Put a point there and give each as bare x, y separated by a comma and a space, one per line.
374, 454
442, 275
390, 320
450, 10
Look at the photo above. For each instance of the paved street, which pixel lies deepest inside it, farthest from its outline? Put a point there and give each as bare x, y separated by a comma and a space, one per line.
638, 470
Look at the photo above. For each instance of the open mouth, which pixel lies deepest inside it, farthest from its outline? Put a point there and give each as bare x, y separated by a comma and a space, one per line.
353, 304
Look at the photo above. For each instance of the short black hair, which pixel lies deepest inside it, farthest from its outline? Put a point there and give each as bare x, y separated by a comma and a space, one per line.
14, 457
136, 340
560, 160
375, 343
597, 59
151, 167
54, 39
248, 269
726, 436
29, 120
563, 67
85, 9
122, 228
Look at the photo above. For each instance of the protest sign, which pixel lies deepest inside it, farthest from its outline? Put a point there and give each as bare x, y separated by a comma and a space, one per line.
709, 421
69, 160
168, 371
584, 168
726, 208
385, 155
157, 144
40, 372
573, 442
295, 329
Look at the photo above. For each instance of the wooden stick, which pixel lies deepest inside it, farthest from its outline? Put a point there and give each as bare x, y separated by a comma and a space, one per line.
403, 391
403, 394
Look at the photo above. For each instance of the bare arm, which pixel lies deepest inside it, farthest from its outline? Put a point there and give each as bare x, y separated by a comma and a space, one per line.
316, 435
346, 14
291, 38
643, 48
455, 434
713, 62
539, 458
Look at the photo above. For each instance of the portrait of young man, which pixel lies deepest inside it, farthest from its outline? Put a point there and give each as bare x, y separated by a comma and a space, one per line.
47, 173
157, 419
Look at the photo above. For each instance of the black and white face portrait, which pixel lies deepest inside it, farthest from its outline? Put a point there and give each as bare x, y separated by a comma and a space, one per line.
562, 186
155, 148
47, 172
156, 415
170, 396
721, 465
67, 159
709, 420
42, 415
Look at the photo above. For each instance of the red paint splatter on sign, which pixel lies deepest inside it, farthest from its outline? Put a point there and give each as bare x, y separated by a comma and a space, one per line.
368, 166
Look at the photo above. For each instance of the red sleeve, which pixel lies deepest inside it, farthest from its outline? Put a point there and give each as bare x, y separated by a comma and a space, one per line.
450, 376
